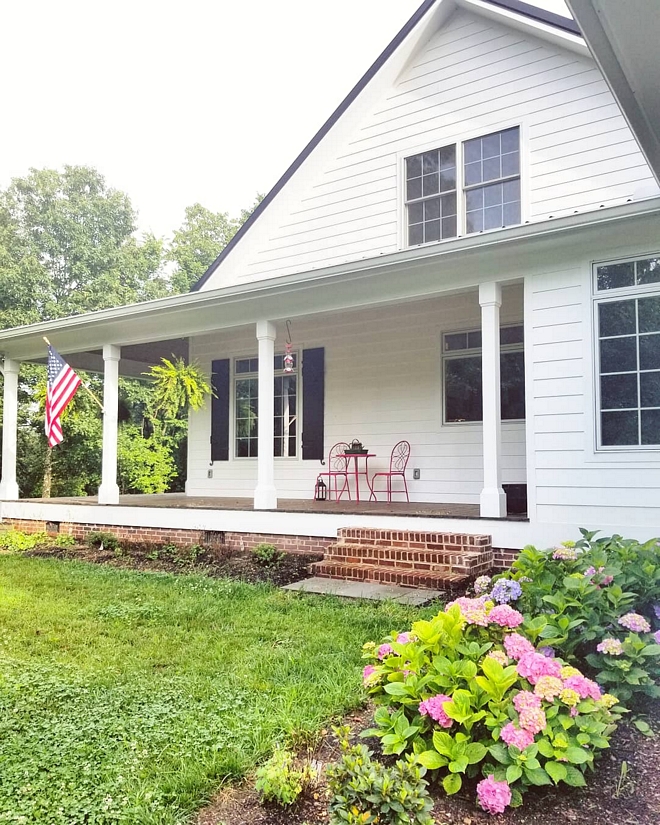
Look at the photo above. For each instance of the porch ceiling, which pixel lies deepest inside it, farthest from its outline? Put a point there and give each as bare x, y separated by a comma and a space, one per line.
408, 275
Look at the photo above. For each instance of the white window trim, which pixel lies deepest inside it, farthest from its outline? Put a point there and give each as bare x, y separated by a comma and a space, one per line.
459, 140
232, 421
607, 296
454, 355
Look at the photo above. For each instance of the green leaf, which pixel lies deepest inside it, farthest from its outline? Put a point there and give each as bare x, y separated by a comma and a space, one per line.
396, 689
574, 777
452, 783
458, 765
537, 776
545, 748
431, 760
475, 752
513, 773
516, 798
642, 726
556, 771
443, 743
577, 756
499, 752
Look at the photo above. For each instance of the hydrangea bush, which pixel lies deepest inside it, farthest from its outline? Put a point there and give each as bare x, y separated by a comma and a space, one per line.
596, 602
473, 698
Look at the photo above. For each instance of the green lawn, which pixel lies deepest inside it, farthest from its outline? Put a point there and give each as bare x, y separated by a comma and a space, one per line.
128, 697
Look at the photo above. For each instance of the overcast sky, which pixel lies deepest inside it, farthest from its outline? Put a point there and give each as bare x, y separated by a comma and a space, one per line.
182, 101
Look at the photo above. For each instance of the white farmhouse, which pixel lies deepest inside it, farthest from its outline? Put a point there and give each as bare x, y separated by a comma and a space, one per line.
468, 256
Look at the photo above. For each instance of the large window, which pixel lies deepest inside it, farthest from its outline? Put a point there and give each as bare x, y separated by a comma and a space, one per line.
462, 375
628, 348
439, 207
246, 403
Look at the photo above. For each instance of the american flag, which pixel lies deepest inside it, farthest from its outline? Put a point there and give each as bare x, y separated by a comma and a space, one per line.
62, 385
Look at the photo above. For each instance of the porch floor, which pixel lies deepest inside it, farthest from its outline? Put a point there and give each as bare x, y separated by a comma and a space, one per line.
363, 508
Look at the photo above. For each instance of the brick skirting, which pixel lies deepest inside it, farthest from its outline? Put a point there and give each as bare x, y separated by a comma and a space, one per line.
165, 535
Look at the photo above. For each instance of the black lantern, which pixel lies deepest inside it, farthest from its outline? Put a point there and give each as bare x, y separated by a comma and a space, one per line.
320, 490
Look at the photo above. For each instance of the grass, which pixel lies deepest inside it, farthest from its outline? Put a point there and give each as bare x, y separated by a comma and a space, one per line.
128, 697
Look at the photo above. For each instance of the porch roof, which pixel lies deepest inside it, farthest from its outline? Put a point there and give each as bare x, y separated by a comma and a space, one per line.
402, 276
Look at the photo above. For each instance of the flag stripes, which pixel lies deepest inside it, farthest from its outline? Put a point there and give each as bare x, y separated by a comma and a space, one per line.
62, 385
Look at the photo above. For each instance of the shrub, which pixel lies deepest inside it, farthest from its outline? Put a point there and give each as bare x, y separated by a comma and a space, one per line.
102, 540
267, 554
15, 541
278, 780
598, 599
469, 696
363, 791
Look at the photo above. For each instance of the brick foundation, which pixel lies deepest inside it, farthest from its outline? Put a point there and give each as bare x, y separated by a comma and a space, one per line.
165, 535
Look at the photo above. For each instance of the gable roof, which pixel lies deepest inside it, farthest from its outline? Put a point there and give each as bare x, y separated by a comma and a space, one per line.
518, 7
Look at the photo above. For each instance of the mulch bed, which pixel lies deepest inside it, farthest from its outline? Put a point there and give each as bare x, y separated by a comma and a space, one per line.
612, 797
219, 562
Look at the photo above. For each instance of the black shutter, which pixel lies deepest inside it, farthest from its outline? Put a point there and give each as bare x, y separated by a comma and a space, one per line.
220, 410
313, 395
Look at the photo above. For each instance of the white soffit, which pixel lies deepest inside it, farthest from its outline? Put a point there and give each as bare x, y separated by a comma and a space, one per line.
623, 38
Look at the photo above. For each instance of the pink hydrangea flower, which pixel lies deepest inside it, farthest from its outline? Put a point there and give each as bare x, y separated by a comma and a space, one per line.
565, 553
656, 637
493, 796
611, 646
403, 638
526, 701
635, 622
517, 646
607, 580
585, 687
505, 616
384, 650
433, 707
512, 735
532, 720
499, 656
368, 675
534, 665
472, 610
548, 687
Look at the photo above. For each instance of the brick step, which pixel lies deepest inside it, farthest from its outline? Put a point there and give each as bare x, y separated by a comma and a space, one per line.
433, 579
470, 561
413, 540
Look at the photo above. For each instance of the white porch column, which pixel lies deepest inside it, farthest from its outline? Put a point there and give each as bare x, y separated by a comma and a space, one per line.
8, 485
265, 494
109, 490
492, 501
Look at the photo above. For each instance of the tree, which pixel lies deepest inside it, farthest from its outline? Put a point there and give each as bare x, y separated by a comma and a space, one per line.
199, 241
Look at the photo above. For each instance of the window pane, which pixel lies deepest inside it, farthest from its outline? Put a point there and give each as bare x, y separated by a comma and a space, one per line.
511, 214
474, 339
463, 389
649, 383
492, 217
431, 209
650, 426
618, 391
472, 150
432, 231
510, 164
242, 447
449, 227
414, 189
490, 146
416, 234
448, 205
448, 180
618, 354
512, 385
510, 140
648, 272
414, 166
416, 212
617, 318
448, 157
475, 221
429, 162
492, 169
512, 335
649, 352
473, 173
474, 199
615, 276
649, 314
511, 191
493, 195
431, 184
455, 340
619, 428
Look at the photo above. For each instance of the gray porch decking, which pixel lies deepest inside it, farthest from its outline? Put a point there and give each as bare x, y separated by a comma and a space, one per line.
363, 508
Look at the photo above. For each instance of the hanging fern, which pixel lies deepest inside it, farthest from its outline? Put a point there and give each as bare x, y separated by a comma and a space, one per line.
178, 387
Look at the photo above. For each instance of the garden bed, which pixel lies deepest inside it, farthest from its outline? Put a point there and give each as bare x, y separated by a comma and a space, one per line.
620, 796
218, 562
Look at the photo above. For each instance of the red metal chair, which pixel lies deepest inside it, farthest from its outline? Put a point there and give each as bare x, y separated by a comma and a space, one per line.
398, 463
337, 468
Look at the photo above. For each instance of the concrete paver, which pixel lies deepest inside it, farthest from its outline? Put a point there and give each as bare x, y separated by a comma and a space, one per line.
365, 590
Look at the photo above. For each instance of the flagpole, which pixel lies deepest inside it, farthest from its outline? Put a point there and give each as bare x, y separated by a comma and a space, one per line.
84, 386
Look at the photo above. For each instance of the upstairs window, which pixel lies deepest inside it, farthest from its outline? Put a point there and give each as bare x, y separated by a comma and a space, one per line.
442, 204
628, 349
462, 375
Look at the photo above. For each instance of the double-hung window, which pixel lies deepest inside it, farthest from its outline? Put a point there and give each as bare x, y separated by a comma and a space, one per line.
246, 406
627, 311
463, 399
463, 188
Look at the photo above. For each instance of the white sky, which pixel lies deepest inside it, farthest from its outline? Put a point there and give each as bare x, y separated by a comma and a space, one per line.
182, 101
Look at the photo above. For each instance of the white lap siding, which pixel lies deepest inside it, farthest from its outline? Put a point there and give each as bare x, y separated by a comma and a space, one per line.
383, 372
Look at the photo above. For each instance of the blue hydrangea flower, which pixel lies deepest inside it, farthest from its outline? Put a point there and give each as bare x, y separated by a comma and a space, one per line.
505, 591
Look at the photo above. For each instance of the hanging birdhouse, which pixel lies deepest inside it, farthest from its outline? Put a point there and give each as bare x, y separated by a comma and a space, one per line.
288, 354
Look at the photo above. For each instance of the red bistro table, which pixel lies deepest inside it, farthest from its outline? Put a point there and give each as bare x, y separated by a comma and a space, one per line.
356, 470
